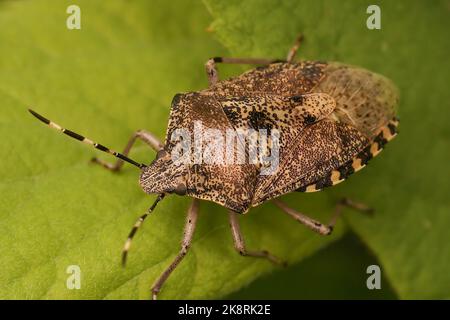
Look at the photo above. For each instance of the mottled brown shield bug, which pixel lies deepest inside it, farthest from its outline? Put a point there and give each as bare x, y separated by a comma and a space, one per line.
331, 118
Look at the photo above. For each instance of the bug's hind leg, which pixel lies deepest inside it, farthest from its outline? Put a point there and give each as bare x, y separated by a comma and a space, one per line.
189, 228
293, 51
211, 65
143, 135
316, 225
239, 243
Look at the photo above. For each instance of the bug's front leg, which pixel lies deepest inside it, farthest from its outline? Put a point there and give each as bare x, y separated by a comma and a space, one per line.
316, 225
189, 228
239, 243
143, 135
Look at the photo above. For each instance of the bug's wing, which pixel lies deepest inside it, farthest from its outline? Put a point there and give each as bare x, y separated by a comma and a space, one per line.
266, 114
265, 111
312, 155
200, 114
364, 99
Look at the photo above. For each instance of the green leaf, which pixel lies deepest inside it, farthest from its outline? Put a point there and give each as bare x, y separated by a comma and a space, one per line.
313, 278
408, 184
114, 76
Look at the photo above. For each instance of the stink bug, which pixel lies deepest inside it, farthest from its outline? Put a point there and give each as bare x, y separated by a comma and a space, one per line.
332, 119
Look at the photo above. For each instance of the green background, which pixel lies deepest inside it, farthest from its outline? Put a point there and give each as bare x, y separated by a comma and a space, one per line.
118, 74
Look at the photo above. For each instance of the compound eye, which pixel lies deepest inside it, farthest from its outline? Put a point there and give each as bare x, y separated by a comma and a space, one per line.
161, 154
180, 189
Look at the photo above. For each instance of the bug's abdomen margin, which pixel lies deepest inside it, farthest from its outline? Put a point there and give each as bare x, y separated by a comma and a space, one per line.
338, 175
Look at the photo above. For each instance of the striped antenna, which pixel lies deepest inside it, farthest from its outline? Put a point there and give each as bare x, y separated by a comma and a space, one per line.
85, 140
135, 228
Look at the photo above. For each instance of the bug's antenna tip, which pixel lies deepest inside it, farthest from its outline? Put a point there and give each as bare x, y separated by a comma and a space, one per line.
38, 116
32, 111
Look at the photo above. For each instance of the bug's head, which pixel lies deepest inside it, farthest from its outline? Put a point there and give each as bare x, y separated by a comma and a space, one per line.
164, 176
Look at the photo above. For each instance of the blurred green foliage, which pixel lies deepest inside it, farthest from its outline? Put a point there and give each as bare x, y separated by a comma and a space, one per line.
335, 272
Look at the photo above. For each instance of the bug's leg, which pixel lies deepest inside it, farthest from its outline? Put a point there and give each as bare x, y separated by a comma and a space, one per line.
239, 243
143, 135
211, 67
189, 228
316, 225
346, 202
293, 51
307, 221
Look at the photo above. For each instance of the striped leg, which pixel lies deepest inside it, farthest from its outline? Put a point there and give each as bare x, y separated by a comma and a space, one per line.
316, 225
135, 228
239, 243
143, 135
189, 228
85, 140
